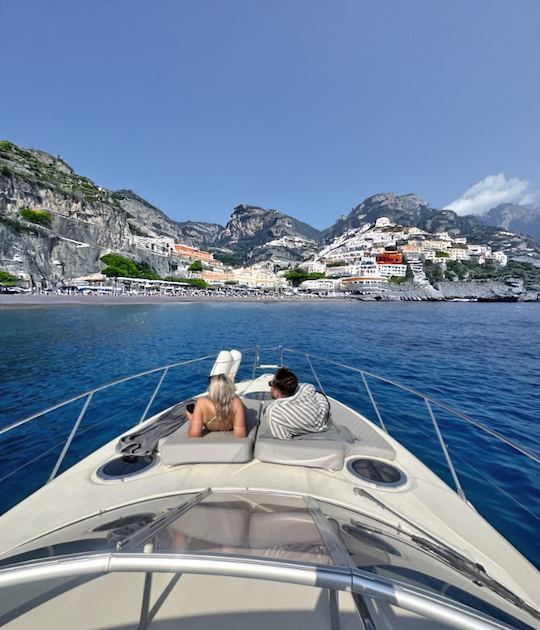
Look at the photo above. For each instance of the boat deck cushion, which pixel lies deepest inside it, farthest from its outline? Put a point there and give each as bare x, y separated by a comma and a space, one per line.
318, 453
216, 447
345, 437
368, 441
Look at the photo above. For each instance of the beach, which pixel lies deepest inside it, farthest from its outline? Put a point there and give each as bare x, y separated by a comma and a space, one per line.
29, 300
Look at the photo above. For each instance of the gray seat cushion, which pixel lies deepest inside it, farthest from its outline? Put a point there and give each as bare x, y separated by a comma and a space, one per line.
317, 453
216, 447
367, 441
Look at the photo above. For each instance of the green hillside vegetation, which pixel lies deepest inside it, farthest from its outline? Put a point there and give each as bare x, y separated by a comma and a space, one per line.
120, 266
231, 260
51, 172
7, 279
408, 277
198, 283
196, 265
297, 276
41, 217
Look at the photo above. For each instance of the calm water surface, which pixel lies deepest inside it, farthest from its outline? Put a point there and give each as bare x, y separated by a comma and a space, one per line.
480, 358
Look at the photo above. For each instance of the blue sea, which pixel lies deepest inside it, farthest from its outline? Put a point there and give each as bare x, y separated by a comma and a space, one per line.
479, 358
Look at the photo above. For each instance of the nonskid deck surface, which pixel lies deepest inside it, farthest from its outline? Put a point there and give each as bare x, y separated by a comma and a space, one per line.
423, 499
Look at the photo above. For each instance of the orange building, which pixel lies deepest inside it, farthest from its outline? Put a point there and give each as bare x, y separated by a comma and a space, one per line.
193, 252
390, 258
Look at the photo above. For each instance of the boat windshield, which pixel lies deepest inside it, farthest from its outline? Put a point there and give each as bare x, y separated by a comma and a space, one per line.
100, 533
391, 552
284, 528
248, 524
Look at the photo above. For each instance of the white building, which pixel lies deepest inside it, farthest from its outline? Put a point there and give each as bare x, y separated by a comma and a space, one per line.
382, 222
358, 282
458, 253
323, 284
160, 245
414, 231
312, 266
501, 258
389, 270
479, 250
443, 236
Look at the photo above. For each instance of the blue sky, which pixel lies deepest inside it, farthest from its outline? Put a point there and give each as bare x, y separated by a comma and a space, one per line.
308, 106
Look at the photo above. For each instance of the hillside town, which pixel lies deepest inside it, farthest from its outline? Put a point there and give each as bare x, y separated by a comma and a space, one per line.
374, 257
383, 253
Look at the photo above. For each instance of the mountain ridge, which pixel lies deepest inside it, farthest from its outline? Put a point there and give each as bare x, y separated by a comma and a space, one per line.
88, 220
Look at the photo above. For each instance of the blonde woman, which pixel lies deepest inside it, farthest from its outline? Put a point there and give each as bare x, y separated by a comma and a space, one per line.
221, 410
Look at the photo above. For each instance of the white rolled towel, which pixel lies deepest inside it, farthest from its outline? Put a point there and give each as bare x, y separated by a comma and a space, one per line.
223, 364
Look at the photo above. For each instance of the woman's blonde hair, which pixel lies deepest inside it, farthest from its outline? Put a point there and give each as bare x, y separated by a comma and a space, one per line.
221, 393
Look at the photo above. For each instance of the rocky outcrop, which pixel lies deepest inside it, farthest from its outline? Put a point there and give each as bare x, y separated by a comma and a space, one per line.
483, 290
144, 219
198, 233
258, 234
475, 290
400, 209
514, 218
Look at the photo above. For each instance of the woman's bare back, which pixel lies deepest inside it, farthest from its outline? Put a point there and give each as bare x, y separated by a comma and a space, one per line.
204, 416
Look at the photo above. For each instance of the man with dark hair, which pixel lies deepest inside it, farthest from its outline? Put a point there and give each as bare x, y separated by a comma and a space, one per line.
296, 408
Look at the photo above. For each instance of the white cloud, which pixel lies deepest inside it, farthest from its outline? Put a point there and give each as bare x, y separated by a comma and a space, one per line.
490, 192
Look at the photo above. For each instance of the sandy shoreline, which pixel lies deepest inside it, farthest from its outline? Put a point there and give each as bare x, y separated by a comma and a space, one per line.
32, 301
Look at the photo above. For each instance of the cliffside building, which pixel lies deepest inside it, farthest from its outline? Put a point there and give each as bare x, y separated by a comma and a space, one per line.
185, 251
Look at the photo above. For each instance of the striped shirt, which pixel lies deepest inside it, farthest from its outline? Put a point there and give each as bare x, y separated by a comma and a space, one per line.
305, 412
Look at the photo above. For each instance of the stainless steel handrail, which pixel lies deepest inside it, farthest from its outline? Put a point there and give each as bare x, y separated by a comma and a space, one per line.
90, 393
435, 607
125, 379
534, 457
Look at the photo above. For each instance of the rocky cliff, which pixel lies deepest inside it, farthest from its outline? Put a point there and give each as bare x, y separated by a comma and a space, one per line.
475, 290
87, 221
84, 223
259, 234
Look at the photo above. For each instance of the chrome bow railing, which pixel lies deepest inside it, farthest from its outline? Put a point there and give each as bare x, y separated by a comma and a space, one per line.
333, 578
281, 353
